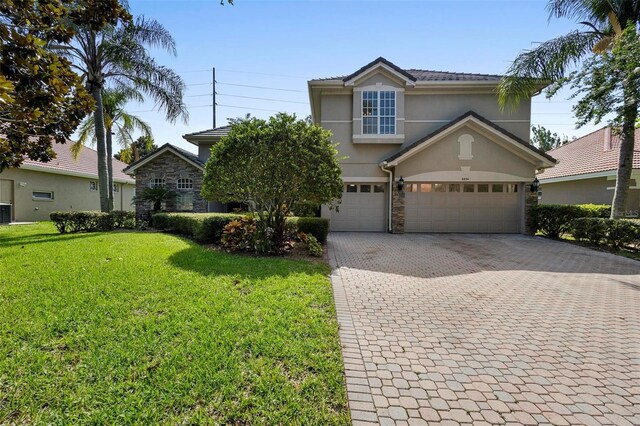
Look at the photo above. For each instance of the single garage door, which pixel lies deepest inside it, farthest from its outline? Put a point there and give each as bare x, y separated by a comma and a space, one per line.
462, 207
363, 208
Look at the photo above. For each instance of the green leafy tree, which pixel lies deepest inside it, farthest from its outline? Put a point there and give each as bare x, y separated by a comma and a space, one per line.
118, 56
546, 140
139, 148
42, 100
117, 122
555, 61
271, 166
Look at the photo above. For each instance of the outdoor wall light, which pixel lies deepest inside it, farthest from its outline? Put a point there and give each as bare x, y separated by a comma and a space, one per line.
535, 185
400, 183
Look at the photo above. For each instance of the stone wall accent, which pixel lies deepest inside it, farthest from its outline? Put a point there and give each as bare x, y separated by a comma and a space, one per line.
397, 210
530, 200
170, 167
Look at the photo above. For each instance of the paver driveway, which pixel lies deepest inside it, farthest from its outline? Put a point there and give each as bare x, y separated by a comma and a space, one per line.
491, 329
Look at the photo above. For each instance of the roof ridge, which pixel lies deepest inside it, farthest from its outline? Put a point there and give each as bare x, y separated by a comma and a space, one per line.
454, 72
580, 138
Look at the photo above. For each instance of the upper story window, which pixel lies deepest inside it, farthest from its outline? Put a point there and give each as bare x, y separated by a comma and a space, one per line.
378, 112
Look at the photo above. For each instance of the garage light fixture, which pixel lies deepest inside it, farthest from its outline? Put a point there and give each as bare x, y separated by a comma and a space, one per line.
400, 184
535, 185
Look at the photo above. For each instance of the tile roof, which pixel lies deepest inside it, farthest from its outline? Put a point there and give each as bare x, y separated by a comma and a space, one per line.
86, 163
420, 74
589, 154
217, 132
459, 119
187, 155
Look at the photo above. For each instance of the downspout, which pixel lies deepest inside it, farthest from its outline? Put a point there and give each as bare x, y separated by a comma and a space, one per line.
383, 166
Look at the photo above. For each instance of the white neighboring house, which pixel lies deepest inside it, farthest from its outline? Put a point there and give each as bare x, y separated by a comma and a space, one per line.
34, 190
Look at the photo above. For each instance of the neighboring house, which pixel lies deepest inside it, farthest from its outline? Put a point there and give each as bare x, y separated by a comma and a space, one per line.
466, 165
36, 189
173, 168
586, 171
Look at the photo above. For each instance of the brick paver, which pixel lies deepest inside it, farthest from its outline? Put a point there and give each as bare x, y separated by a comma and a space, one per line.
486, 329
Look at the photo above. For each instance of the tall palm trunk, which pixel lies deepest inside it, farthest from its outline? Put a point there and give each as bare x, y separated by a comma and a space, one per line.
627, 141
110, 165
103, 171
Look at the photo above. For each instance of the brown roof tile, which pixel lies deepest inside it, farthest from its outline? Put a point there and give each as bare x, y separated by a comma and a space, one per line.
86, 163
589, 154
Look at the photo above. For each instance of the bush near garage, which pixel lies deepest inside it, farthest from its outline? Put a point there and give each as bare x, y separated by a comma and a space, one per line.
616, 233
92, 221
555, 220
209, 227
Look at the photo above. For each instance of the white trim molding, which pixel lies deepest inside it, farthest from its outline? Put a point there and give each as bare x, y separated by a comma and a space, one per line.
576, 177
373, 69
159, 151
466, 175
360, 179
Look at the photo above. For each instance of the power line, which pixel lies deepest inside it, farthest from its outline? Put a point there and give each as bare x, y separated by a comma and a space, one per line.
263, 73
199, 84
262, 99
262, 87
249, 108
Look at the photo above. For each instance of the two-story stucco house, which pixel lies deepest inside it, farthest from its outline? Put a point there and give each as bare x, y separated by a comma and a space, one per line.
466, 165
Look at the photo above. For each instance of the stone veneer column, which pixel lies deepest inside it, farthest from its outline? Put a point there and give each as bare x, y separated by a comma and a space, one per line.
530, 200
397, 210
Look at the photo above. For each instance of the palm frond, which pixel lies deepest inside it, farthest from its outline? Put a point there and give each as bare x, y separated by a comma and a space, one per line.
148, 33
548, 62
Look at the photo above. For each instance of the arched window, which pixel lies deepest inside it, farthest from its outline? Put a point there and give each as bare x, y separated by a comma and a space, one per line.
184, 183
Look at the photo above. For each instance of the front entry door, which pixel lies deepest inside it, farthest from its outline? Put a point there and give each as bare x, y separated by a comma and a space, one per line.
6, 194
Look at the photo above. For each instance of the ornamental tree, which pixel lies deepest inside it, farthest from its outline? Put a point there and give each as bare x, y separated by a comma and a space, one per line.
42, 100
271, 165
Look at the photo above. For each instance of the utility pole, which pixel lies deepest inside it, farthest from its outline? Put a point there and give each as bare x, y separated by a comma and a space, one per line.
214, 97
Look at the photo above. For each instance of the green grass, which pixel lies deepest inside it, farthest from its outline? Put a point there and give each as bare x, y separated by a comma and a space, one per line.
149, 328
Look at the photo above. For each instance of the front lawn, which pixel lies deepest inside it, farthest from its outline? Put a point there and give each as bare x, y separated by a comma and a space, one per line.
147, 328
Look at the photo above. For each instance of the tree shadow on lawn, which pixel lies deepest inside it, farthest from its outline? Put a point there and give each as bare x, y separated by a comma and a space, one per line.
214, 263
22, 240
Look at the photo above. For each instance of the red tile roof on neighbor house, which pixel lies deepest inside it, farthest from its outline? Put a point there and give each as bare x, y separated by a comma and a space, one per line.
86, 165
596, 152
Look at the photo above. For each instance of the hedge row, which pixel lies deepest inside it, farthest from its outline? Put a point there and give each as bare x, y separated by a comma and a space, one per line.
92, 221
203, 227
616, 233
208, 227
554, 220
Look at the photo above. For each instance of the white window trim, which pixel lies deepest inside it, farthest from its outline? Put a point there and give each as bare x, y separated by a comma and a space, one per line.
379, 89
184, 189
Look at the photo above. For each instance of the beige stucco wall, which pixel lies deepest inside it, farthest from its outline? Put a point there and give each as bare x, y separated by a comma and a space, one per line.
491, 162
419, 111
585, 191
70, 193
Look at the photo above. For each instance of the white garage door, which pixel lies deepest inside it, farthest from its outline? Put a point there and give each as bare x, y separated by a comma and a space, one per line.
462, 207
363, 208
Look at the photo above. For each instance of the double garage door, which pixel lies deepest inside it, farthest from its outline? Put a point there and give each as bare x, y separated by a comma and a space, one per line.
433, 207
462, 207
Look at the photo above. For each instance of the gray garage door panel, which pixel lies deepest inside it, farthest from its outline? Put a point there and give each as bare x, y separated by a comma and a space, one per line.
361, 211
463, 212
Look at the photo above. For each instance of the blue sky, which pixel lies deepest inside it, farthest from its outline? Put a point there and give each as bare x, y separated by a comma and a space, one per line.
282, 44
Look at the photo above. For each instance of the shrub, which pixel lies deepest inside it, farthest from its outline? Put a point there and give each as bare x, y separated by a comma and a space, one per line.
622, 233
90, 221
590, 229
204, 227
615, 232
554, 220
316, 226
239, 234
314, 248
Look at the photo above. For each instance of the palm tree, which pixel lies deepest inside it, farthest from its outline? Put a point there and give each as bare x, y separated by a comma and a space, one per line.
552, 61
118, 57
118, 123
